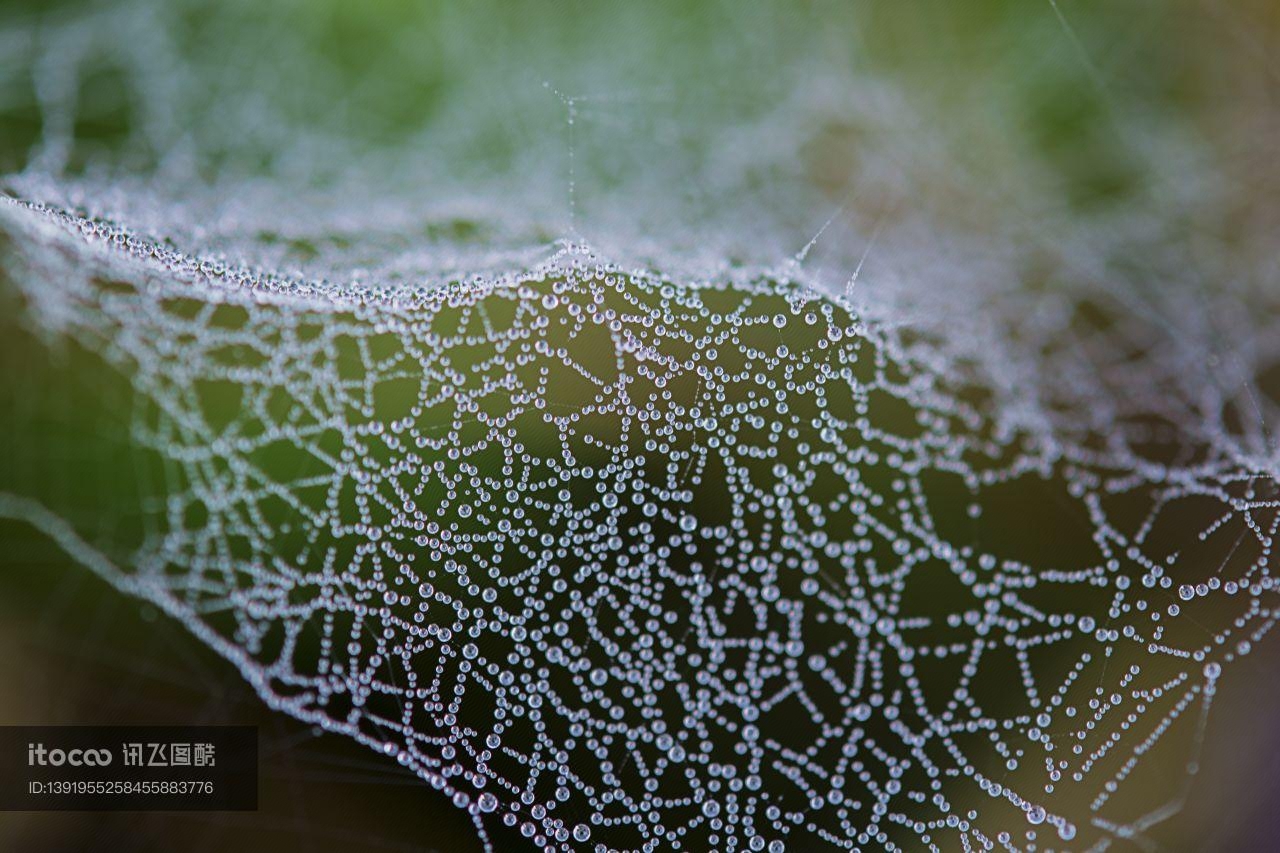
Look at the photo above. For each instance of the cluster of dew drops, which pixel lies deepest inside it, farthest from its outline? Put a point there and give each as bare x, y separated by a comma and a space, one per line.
615, 560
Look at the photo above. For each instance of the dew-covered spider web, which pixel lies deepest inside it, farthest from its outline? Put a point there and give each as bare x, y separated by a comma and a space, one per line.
615, 481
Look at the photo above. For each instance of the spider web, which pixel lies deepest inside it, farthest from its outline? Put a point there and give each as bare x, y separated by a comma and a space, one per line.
684, 542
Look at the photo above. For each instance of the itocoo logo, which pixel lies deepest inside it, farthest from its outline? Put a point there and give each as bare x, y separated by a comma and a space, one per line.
38, 755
